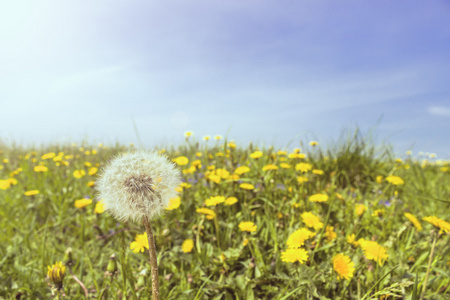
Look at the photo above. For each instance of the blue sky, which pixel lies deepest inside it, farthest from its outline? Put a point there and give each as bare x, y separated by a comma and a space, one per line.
264, 71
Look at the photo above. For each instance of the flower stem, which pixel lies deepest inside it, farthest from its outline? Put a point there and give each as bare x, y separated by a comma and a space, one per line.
153, 259
429, 266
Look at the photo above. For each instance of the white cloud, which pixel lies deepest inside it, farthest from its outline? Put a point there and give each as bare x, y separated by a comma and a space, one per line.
439, 111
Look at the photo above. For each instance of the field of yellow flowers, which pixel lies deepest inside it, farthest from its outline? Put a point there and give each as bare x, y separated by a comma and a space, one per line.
347, 221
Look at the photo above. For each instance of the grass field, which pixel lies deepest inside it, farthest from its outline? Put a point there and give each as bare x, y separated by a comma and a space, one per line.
249, 223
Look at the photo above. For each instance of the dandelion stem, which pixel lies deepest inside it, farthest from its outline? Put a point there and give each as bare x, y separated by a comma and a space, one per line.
153, 259
429, 266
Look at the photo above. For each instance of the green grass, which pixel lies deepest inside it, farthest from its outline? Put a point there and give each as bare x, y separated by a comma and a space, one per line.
36, 231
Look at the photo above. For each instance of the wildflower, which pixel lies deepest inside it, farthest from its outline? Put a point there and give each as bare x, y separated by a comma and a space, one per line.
187, 246
256, 154
93, 171
351, 239
285, 166
90, 183
79, 173
217, 137
213, 201
296, 155
40, 169
140, 243
269, 167
302, 179
31, 193
245, 242
247, 226
329, 233
318, 198
82, 203
293, 255
379, 179
378, 213
438, 223
395, 180
241, 170
174, 203
414, 221
303, 167
189, 170
99, 207
181, 160
298, 238
188, 134
310, 220
360, 209
87, 164
230, 201
48, 155
343, 266
317, 172
224, 174
4, 184
210, 214
313, 143
374, 251
138, 185
247, 186
56, 273
206, 138
5, 160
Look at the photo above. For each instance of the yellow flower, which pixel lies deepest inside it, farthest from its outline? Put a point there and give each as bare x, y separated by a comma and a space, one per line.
213, 177
181, 160
241, 170
317, 172
224, 174
56, 273
303, 167
329, 233
40, 169
285, 166
82, 203
174, 203
206, 138
378, 213
48, 155
5, 160
79, 173
88, 164
188, 134
213, 201
379, 179
256, 154
281, 152
187, 246
318, 198
302, 179
31, 193
313, 143
247, 186
217, 137
414, 220
189, 170
310, 220
374, 251
360, 209
245, 242
293, 255
247, 226
90, 183
351, 239
269, 167
230, 201
343, 266
296, 155
210, 214
140, 243
298, 238
99, 207
395, 180
439, 223
92, 171
4, 184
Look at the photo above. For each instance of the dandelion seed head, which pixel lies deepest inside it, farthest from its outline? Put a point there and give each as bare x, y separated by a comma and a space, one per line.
138, 184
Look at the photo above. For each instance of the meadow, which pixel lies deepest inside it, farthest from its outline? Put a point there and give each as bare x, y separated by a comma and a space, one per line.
344, 221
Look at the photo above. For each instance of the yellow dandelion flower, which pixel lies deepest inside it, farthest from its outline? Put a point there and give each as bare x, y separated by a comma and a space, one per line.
302, 179
31, 193
379, 179
360, 209
218, 137
269, 167
224, 174
247, 226
230, 201
281, 152
206, 138
56, 273
351, 239
303, 167
438, 223
298, 238
88, 164
329, 233
213, 201
247, 186
93, 171
210, 214
188, 134
99, 207
256, 154
373, 251
241, 170
181, 160
4, 184
214, 178
311, 220
90, 183
295, 155
187, 246
343, 266
245, 242
395, 180
318, 172
82, 203
313, 143
48, 155
40, 169
293, 255
318, 198
414, 221
174, 203
285, 166
378, 213
140, 243
79, 173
